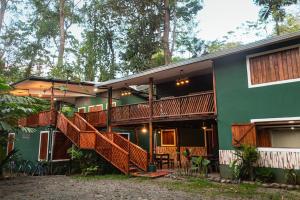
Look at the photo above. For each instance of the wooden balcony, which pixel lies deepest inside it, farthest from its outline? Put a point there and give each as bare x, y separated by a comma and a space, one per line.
194, 106
44, 118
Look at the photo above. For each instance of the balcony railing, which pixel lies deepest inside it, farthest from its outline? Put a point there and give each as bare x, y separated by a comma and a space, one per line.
44, 118
175, 107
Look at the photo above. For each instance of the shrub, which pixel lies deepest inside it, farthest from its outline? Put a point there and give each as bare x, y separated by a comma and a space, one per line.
243, 166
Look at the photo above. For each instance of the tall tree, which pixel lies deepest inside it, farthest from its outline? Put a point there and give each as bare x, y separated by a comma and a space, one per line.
166, 32
274, 9
61, 33
3, 6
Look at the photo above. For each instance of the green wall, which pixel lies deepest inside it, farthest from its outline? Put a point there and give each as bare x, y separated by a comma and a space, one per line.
102, 99
28, 144
239, 104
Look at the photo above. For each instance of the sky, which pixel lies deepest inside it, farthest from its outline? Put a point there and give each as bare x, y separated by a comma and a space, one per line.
221, 16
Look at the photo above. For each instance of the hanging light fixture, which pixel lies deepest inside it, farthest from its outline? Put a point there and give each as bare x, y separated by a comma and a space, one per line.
182, 81
126, 93
95, 89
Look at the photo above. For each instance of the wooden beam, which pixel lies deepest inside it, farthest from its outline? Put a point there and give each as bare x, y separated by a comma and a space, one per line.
109, 106
150, 119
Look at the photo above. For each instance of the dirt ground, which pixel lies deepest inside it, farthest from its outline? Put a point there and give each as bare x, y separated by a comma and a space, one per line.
121, 187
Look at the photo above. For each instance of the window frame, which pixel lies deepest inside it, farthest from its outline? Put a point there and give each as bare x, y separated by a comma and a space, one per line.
161, 138
13, 143
47, 155
83, 107
250, 85
279, 119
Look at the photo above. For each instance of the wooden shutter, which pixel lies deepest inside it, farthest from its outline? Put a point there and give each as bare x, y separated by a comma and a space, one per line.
43, 152
277, 66
10, 142
243, 134
168, 137
61, 144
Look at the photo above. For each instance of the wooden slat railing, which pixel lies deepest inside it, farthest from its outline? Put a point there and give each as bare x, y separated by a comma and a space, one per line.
95, 118
128, 112
44, 118
69, 129
196, 104
137, 155
201, 103
85, 136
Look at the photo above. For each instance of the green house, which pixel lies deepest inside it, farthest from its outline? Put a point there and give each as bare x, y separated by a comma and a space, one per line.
206, 105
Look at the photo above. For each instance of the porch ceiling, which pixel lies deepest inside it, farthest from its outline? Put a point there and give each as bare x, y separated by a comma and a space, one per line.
161, 74
36, 86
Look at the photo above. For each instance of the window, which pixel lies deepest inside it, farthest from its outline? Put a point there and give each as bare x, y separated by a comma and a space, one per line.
282, 136
114, 104
168, 137
96, 108
10, 142
274, 134
274, 67
43, 148
81, 109
125, 135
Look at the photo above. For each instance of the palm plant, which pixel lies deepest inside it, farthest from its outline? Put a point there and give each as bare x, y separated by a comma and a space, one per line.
274, 9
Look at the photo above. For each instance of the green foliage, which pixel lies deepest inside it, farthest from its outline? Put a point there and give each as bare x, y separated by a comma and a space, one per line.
201, 163
89, 162
4, 159
12, 108
243, 166
291, 176
275, 10
264, 175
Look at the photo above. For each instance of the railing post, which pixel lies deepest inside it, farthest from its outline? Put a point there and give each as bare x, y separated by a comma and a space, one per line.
109, 105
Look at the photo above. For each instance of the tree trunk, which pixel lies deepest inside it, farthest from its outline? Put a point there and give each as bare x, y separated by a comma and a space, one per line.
167, 53
3, 6
174, 30
62, 33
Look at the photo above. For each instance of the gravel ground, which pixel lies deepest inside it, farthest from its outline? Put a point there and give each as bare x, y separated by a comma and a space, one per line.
64, 187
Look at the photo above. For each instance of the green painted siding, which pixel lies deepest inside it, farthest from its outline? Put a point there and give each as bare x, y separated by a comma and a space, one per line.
28, 144
102, 99
239, 104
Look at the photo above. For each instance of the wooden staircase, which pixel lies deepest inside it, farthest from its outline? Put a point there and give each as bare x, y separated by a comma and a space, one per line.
114, 148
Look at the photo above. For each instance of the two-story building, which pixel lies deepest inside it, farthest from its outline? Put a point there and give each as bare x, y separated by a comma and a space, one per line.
244, 95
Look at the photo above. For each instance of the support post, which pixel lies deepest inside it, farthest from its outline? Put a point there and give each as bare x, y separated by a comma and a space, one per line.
52, 104
214, 88
109, 105
150, 119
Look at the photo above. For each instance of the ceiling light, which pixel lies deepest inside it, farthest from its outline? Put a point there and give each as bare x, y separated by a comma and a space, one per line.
291, 122
95, 89
40, 95
54, 99
292, 128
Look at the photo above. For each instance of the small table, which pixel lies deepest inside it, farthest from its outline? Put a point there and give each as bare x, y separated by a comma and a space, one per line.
162, 158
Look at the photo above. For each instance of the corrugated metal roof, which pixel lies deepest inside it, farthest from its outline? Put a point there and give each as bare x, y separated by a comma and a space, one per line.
212, 56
